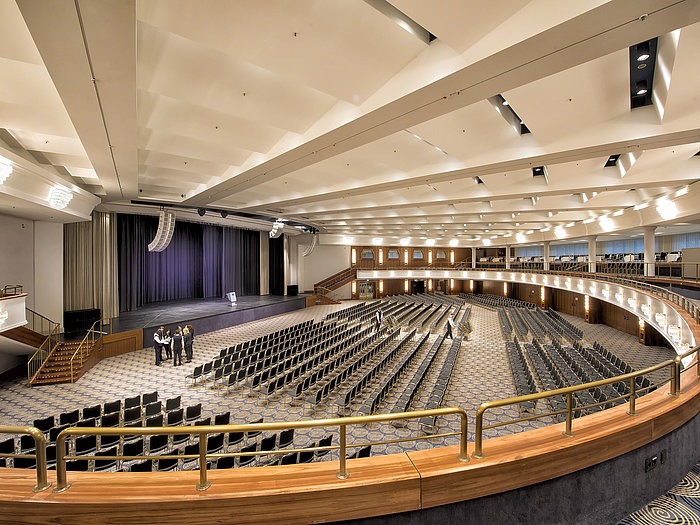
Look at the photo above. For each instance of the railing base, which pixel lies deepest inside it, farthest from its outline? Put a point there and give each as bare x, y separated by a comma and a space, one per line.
42, 489
341, 475
58, 490
463, 458
478, 456
204, 487
632, 413
568, 434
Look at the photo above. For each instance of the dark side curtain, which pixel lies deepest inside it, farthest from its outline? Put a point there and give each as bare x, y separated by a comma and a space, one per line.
277, 266
201, 261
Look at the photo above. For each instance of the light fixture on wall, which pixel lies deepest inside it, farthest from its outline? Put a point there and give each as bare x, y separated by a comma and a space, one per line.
276, 230
354, 287
381, 256
430, 284
586, 303
59, 197
505, 289
5, 169
405, 285
405, 256
164, 233
381, 286
452, 284
645, 308
471, 285
353, 256
661, 319
430, 256
452, 256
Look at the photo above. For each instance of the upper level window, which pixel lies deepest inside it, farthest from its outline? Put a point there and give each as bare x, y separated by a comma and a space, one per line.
441, 254
392, 254
417, 254
367, 254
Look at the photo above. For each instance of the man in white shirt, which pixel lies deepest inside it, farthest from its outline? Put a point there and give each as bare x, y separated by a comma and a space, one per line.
158, 344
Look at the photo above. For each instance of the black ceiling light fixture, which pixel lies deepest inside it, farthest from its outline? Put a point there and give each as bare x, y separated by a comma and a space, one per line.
540, 171
507, 112
612, 160
642, 59
201, 211
224, 214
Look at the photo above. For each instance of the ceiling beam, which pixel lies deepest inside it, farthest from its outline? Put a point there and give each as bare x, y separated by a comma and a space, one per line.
600, 31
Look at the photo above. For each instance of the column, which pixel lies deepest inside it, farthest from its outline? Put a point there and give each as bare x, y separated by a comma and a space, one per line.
545, 256
507, 256
592, 253
649, 251
473, 256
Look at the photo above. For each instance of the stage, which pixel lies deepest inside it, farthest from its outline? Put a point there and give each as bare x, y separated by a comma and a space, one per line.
205, 315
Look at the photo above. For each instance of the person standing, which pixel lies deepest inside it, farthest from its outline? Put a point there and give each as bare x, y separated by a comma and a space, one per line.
187, 342
450, 328
168, 344
379, 316
177, 347
158, 345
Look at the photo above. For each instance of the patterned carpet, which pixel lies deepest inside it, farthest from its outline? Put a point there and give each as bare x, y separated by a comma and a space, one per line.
481, 373
679, 505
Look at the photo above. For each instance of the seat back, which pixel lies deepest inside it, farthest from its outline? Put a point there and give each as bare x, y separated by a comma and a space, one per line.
149, 398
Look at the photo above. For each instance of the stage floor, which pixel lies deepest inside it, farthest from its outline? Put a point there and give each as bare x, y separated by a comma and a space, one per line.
184, 311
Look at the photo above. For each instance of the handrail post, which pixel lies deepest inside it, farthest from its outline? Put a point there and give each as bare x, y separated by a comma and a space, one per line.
203, 484
569, 414
61, 482
633, 396
463, 454
478, 431
343, 472
40, 446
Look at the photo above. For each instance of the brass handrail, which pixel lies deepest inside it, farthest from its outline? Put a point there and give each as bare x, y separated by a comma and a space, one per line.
34, 318
42, 482
11, 289
42, 354
675, 389
85, 346
204, 431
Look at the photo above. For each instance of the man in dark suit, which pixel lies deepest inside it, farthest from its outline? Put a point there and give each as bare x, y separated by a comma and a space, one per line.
177, 347
187, 337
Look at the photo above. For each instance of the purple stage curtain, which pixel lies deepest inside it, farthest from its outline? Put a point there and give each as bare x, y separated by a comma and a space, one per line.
201, 261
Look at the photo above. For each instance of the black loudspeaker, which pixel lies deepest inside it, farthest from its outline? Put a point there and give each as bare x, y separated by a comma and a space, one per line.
292, 289
77, 321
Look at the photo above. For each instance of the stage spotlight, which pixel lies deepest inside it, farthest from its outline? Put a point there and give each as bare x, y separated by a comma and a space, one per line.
224, 214
201, 211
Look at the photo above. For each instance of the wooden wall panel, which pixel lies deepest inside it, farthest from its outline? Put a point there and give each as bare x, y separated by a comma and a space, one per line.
619, 318
121, 343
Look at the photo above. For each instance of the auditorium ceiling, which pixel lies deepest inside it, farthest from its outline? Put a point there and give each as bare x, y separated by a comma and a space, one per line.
342, 116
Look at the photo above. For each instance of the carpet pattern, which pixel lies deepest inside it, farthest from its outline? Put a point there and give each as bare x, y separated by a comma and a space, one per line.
481, 373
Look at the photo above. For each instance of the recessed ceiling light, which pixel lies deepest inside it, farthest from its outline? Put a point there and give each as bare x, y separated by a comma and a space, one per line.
641, 87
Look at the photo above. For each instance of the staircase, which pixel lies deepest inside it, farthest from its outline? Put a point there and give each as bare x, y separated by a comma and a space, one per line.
324, 288
57, 368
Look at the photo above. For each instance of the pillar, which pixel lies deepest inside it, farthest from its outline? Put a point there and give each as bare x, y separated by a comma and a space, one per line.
473, 256
592, 253
649, 251
507, 256
545, 256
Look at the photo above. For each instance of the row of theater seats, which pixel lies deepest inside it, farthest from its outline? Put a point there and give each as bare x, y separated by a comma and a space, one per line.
418, 378
522, 377
356, 314
437, 395
396, 369
494, 301
346, 312
264, 366
574, 332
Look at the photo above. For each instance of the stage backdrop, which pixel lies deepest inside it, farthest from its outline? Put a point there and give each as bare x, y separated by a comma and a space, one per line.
202, 260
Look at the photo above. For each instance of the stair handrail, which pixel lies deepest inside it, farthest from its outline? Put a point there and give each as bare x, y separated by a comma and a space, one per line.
43, 353
86, 345
327, 292
347, 272
45, 325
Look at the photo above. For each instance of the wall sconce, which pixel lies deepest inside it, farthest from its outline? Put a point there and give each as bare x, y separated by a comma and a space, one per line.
353, 256
430, 256
675, 332
619, 297
471, 285
452, 256
405, 256
505, 289
646, 309
430, 284
405, 285
586, 303
381, 286
661, 319
542, 293
381, 256
632, 302
354, 287
452, 284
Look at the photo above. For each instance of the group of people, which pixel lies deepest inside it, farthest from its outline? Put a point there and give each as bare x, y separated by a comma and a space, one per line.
173, 344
